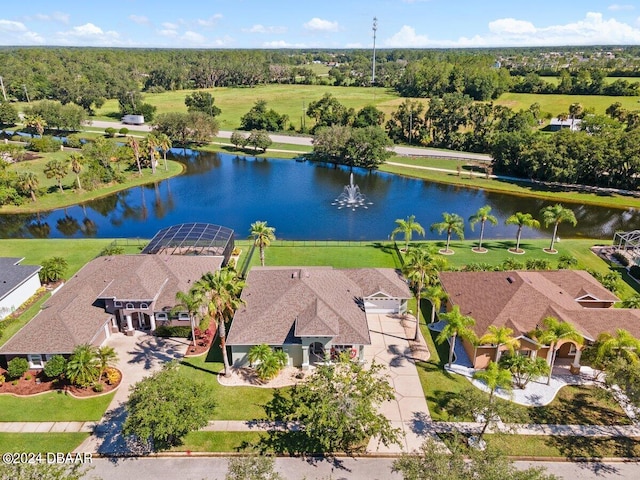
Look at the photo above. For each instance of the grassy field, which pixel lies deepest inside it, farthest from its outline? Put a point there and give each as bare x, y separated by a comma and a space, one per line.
55, 199
52, 407
41, 442
556, 104
524, 189
291, 100
218, 441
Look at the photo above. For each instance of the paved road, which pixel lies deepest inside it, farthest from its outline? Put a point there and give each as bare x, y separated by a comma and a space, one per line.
294, 140
197, 468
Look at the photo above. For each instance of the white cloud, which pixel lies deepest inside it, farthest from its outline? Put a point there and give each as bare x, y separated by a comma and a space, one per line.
11, 26
170, 26
209, 22
282, 44
193, 38
168, 33
139, 19
53, 17
265, 29
32, 38
616, 7
89, 34
592, 30
354, 45
319, 25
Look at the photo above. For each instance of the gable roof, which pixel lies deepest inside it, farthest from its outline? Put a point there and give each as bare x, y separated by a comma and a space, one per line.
12, 274
522, 299
72, 316
309, 301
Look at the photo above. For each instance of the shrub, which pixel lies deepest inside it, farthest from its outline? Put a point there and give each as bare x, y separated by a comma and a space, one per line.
236, 251
113, 375
14, 383
18, 138
98, 387
44, 144
74, 141
124, 131
17, 367
197, 332
28, 377
173, 331
55, 367
110, 132
2, 379
204, 323
111, 250
538, 264
621, 257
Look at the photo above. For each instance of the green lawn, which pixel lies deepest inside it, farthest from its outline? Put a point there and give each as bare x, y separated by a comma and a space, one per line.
10, 326
285, 99
555, 104
218, 441
52, 407
232, 403
41, 442
55, 199
504, 186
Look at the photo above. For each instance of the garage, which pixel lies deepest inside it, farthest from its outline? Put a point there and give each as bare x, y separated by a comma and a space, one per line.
380, 302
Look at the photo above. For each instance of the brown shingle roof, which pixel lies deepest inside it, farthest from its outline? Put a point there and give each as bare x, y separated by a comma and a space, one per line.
521, 300
72, 317
313, 301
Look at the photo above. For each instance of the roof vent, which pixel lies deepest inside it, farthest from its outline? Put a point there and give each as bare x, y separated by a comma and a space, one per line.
294, 274
510, 279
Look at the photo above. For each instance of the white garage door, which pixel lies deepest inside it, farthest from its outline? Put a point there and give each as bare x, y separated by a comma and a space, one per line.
381, 305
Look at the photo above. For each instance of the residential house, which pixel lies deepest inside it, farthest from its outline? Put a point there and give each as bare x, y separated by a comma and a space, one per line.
18, 283
313, 313
521, 300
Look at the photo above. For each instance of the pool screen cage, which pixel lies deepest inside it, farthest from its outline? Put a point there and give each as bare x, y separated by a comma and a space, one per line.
629, 244
193, 239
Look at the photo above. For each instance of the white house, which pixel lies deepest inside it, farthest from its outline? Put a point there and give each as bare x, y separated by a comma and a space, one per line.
17, 284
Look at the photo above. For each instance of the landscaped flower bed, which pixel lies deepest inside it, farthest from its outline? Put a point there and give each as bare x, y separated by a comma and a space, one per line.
35, 382
202, 343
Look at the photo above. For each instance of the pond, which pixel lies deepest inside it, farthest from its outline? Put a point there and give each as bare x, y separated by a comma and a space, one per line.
298, 199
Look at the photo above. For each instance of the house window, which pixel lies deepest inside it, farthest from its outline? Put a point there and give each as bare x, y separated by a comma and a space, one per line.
35, 361
129, 306
572, 349
183, 316
117, 304
161, 316
144, 305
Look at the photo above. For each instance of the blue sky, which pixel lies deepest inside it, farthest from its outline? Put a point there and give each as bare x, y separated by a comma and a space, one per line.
320, 23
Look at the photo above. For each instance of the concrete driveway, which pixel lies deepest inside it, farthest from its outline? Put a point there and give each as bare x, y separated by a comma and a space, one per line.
139, 356
408, 411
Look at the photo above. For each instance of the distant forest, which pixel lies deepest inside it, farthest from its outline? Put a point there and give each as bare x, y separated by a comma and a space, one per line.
88, 76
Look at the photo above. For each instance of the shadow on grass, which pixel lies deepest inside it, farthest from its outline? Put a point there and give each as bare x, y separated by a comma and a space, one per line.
590, 451
390, 249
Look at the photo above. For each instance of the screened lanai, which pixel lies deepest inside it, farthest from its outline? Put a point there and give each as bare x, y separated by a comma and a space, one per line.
193, 239
629, 244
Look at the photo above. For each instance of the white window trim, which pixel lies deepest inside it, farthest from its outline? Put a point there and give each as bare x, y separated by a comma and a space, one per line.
33, 356
117, 304
129, 306
183, 316
161, 315
144, 305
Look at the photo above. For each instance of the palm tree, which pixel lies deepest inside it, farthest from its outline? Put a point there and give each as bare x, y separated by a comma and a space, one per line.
83, 366
37, 123
457, 325
500, 336
135, 147
150, 145
575, 109
631, 302
436, 295
258, 353
452, 223
262, 236
554, 331
622, 345
164, 142
521, 220
407, 227
420, 270
556, 215
28, 182
223, 290
494, 377
272, 364
191, 301
483, 215
76, 162
107, 357
56, 169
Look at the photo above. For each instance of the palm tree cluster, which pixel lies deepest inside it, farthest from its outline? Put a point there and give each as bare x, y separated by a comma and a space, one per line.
267, 361
216, 296
87, 364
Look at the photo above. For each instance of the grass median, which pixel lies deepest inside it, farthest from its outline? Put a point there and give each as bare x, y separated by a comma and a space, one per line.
41, 442
52, 407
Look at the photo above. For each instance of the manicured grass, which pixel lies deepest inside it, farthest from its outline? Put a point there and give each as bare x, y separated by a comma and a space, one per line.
505, 186
52, 407
284, 99
41, 442
555, 104
291, 152
55, 199
218, 441
11, 326
232, 403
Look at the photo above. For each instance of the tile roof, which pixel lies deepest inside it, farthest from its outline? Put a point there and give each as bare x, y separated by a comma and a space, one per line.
72, 316
522, 299
315, 301
12, 274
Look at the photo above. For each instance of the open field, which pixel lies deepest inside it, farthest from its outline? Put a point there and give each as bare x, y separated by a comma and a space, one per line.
291, 100
555, 104
52, 407
41, 442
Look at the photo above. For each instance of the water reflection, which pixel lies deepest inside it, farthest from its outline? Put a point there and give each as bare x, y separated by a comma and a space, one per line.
295, 198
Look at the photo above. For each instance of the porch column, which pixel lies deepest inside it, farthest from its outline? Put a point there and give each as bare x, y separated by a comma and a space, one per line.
575, 367
305, 357
129, 321
152, 322
534, 354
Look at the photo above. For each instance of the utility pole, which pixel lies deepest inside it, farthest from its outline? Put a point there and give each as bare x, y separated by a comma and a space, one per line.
373, 68
4, 93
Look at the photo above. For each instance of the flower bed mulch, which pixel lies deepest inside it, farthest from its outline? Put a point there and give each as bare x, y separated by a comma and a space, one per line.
39, 383
201, 347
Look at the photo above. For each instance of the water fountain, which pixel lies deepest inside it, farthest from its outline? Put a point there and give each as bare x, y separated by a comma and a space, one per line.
351, 197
